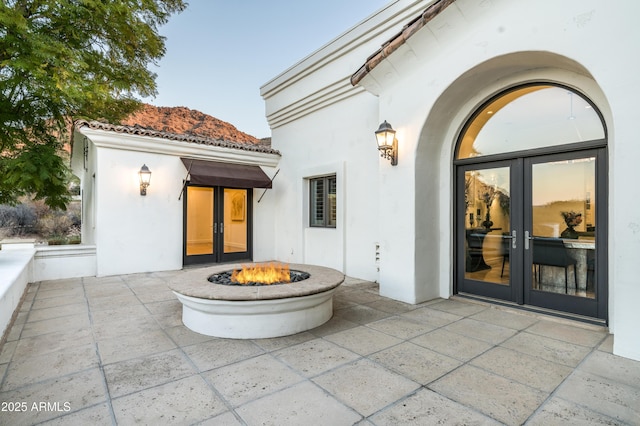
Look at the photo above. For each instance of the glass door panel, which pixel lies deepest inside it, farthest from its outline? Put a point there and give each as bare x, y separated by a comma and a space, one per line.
485, 243
563, 224
487, 225
235, 221
200, 221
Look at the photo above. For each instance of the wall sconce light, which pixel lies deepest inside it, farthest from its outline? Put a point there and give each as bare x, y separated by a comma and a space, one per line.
387, 142
145, 179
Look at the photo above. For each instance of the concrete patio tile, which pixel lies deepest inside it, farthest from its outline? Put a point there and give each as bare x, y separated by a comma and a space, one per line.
224, 419
392, 306
360, 297
96, 415
57, 311
52, 342
39, 367
361, 314
52, 302
431, 317
276, 343
107, 290
557, 411
7, 351
166, 307
185, 401
302, 404
133, 346
124, 326
607, 344
73, 291
334, 325
487, 332
315, 357
219, 352
60, 324
21, 317
134, 375
458, 308
426, 407
3, 370
251, 379
568, 333
127, 311
612, 367
415, 362
501, 399
113, 302
451, 344
402, 328
602, 395
365, 386
529, 370
62, 284
15, 332
363, 340
503, 318
341, 302
80, 390
546, 348
182, 336
156, 296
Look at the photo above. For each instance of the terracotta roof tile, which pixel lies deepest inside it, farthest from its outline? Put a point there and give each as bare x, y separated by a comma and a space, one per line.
142, 131
399, 39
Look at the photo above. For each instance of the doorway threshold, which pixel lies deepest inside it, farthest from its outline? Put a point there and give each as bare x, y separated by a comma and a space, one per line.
534, 309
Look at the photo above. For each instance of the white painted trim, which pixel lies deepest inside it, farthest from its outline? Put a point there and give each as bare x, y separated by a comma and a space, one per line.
156, 145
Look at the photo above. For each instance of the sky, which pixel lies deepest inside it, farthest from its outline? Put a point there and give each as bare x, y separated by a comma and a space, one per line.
220, 52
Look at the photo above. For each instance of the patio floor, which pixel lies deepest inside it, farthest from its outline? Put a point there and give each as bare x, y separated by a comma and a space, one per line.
113, 350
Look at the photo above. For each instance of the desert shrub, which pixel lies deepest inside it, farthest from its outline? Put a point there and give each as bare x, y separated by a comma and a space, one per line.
17, 220
55, 224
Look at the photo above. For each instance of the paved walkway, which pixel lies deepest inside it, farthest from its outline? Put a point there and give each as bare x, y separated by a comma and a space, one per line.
113, 350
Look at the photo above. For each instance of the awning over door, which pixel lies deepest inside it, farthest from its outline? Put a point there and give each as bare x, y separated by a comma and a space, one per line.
213, 173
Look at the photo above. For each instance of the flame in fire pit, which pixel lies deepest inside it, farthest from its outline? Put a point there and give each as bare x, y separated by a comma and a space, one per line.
264, 274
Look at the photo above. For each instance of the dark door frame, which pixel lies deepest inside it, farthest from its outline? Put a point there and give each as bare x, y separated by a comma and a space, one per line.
520, 259
218, 256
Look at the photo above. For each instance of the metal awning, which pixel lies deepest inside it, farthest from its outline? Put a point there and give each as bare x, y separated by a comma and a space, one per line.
214, 173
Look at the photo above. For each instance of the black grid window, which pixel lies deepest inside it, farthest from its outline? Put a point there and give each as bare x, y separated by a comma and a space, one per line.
322, 202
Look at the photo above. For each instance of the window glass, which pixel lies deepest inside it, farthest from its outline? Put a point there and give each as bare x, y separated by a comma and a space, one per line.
322, 202
528, 118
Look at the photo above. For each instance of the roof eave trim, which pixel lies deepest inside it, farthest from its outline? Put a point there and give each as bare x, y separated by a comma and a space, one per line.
399, 39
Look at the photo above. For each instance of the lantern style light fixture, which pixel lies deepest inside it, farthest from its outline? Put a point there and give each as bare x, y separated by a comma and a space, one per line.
387, 142
145, 179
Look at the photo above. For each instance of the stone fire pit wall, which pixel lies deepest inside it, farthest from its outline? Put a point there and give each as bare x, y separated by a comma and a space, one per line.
251, 312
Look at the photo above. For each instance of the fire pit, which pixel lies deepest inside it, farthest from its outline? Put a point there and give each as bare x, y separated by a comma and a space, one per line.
255, 311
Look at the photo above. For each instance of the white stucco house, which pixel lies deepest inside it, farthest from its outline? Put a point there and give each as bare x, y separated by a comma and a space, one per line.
512, 180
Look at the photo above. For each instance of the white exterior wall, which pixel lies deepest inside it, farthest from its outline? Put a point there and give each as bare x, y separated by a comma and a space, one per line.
427, 89
134, 233
137, 233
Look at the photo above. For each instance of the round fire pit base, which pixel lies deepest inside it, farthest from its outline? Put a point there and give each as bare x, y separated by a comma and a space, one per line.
255, 312
256, 319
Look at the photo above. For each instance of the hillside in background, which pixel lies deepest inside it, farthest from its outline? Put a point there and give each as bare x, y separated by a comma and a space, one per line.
182, 120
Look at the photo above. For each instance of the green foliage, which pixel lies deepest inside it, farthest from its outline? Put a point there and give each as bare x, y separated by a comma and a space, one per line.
61, 60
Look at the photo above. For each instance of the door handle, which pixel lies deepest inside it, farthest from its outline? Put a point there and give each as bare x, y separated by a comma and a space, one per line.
221, 227
513, 239
527, 238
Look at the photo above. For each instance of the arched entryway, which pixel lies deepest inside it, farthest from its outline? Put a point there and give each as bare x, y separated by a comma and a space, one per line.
530, 201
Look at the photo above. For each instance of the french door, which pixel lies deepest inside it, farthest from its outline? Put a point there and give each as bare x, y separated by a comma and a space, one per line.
217, 224
532, 230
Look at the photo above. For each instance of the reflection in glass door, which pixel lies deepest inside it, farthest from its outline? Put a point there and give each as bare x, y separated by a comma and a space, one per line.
487, 240
234, 226
217, 224
561, 232
199, 221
